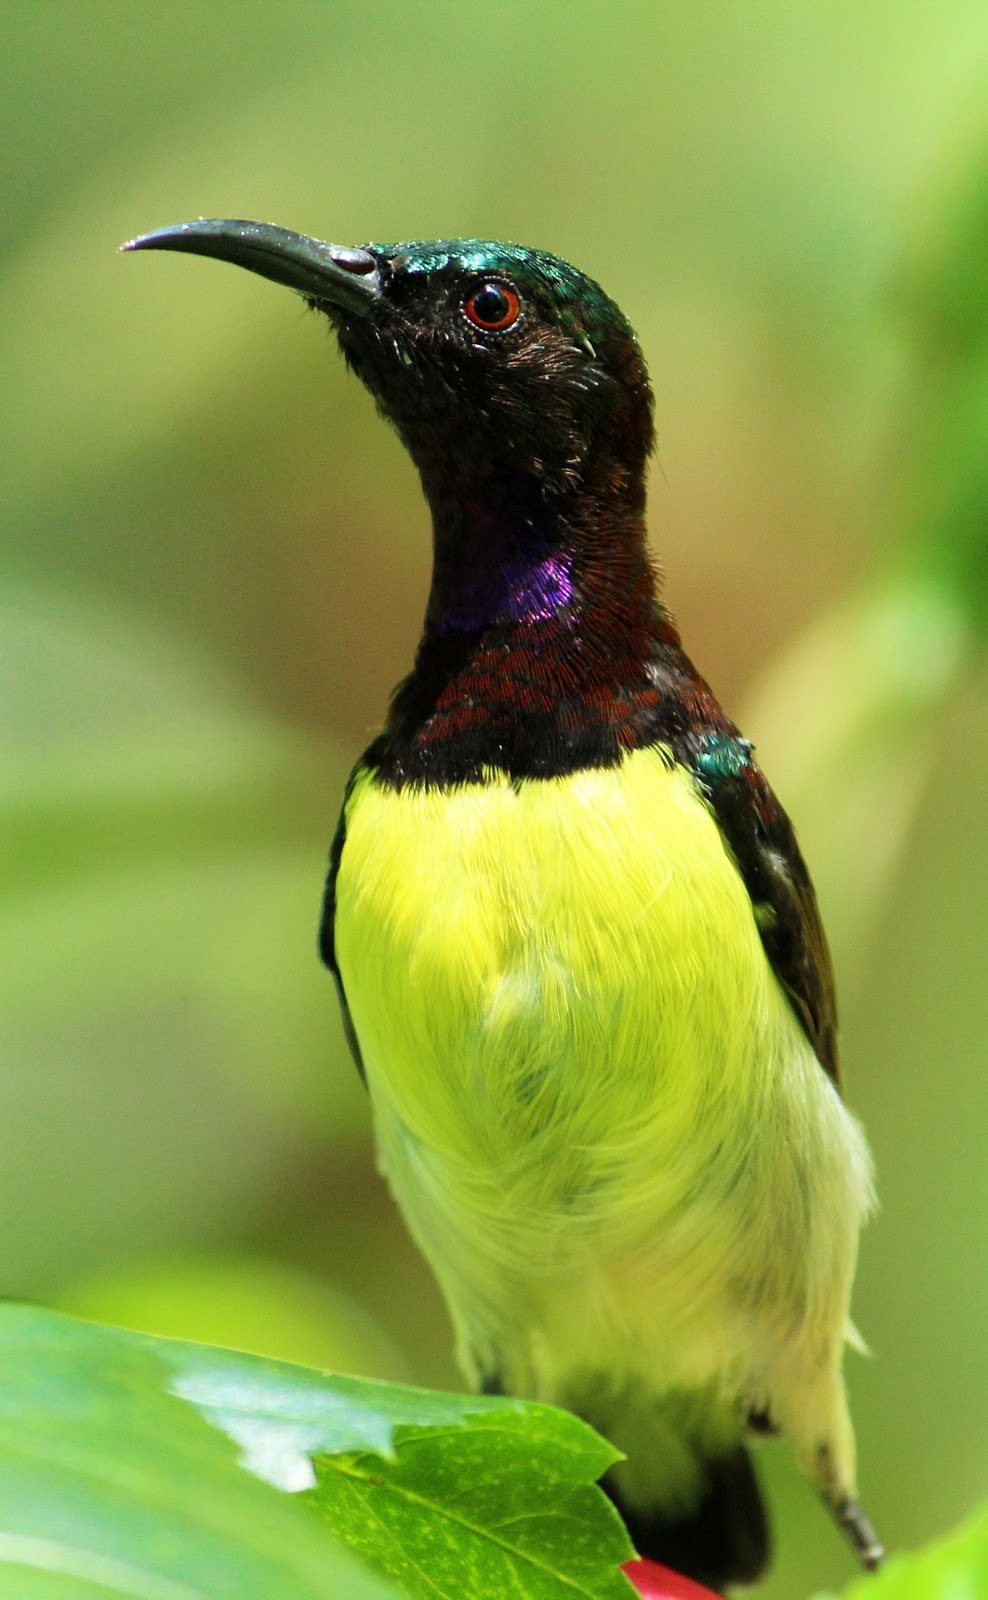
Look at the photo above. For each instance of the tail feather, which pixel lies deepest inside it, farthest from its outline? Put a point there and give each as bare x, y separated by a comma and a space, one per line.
724, 1539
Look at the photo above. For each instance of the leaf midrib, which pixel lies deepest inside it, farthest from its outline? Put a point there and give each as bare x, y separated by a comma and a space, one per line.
349, 1470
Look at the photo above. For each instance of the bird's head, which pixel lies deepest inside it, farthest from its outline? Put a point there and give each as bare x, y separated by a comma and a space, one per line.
486, 357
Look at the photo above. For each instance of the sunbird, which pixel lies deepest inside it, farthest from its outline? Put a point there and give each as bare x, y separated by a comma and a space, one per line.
578, 951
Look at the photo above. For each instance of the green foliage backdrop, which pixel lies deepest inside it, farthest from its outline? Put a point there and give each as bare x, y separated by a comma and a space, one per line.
213, 564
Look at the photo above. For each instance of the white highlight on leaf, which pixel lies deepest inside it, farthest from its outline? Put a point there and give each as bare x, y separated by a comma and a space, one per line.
278, 1452
277, 1438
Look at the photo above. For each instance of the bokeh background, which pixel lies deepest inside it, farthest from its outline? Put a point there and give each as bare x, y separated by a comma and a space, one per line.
214, 562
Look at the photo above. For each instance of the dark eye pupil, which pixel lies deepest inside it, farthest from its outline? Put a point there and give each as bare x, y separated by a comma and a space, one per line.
491, 304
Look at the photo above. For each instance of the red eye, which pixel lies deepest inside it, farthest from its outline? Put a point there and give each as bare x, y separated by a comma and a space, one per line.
493, 307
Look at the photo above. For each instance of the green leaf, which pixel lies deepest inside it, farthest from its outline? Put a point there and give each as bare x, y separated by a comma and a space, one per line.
166, 1471
450, 1494
110, 1484
500, 1505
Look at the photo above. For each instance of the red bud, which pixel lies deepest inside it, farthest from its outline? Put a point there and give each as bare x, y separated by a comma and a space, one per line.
660, 1583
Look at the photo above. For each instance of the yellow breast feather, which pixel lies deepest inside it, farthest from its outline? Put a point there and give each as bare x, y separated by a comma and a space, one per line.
585, 1077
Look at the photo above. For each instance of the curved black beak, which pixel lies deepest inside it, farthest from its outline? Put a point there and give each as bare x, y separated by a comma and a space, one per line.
330, 274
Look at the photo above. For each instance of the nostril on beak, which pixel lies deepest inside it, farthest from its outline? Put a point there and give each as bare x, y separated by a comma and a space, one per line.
359, 261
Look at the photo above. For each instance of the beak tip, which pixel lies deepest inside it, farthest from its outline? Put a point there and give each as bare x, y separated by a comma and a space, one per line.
158, 238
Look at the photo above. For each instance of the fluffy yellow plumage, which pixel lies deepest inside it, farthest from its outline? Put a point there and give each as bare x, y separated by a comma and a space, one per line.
595, 1105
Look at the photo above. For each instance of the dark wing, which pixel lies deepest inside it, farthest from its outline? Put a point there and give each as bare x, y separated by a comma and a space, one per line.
760, 838
327, 926
762, 842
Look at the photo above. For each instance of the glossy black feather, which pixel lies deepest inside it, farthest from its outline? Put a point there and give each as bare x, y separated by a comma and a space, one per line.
327, 929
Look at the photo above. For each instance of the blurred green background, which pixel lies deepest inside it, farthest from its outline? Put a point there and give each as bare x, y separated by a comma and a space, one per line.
214, 564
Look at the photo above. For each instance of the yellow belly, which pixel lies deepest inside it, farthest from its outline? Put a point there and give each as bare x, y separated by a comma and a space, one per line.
585, 1078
